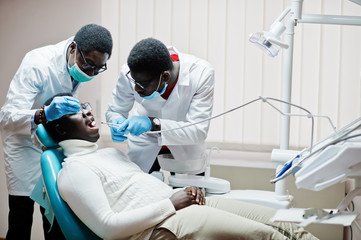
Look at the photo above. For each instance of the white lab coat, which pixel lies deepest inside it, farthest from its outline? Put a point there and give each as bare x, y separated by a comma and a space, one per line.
42, 74
190, 101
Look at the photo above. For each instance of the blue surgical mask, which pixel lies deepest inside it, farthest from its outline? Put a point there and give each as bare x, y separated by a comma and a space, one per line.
156, 94
78, 74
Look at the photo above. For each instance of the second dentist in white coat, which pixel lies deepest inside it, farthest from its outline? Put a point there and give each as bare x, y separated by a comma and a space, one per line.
172, 90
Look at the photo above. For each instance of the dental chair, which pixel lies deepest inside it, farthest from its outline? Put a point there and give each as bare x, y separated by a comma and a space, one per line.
51, 160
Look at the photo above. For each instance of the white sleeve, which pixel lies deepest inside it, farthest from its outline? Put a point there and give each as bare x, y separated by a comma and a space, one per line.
82, 189
122, 97
200, 108
16, 115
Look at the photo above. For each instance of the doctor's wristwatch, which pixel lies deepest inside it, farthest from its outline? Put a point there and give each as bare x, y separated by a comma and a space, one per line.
155, 124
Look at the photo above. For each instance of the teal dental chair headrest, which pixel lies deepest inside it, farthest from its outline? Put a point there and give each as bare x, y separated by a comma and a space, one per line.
45, 138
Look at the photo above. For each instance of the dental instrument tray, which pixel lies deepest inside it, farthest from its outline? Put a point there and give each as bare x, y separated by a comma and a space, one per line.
333, 161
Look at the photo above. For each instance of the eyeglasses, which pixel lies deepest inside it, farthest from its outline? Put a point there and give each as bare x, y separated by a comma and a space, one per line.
86, 66
85, 108
144, 86
133, 81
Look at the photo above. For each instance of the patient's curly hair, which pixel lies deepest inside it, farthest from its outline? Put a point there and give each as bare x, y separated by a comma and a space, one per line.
94, 37
50, 126
149, 56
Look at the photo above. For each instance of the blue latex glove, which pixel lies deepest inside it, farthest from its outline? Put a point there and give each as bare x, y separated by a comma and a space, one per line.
136, 125
61, 106
117, 132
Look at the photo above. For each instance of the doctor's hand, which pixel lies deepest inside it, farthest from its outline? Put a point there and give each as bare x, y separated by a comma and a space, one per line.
136, 125
189, 196
118, 132
61, 106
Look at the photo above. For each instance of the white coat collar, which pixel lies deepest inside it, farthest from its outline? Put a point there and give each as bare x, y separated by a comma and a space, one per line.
76, 147
183, 75
65, 70
65, 65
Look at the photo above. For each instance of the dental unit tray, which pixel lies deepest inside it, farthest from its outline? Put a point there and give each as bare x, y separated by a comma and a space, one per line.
330, 161
330, 166
333, 160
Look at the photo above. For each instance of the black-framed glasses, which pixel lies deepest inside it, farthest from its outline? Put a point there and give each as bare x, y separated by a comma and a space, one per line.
133, 81
85, 108
86, 66
129, 76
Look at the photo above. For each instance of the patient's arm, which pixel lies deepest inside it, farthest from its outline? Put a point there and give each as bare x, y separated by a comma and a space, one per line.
187, 197
81, 188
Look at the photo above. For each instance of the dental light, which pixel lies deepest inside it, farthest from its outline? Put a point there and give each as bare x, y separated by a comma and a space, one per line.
270, 42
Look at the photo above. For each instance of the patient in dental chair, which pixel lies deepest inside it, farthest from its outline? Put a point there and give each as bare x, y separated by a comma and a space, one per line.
117, 200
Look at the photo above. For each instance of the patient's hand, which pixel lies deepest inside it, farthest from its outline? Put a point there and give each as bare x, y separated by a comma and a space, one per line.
187, 197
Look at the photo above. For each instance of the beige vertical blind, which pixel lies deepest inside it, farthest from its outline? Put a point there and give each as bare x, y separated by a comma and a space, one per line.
326, 69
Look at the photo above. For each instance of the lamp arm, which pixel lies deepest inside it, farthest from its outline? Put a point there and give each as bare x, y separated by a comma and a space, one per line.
282, 15
331, 19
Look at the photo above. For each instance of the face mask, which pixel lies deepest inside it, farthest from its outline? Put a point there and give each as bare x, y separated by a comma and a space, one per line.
78, 74
156, 94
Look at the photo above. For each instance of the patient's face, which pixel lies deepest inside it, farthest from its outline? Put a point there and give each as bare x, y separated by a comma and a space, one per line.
82, 126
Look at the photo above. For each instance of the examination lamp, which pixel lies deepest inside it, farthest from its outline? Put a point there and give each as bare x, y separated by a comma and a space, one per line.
270, 41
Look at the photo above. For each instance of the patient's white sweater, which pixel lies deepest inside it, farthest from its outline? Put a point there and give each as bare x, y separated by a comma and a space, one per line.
111, 194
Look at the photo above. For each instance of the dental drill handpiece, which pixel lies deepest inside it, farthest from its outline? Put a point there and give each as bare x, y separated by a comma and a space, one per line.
110, 124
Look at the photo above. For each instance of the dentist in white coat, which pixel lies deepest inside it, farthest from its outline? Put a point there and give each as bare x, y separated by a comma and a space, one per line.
172, 90
43, 73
